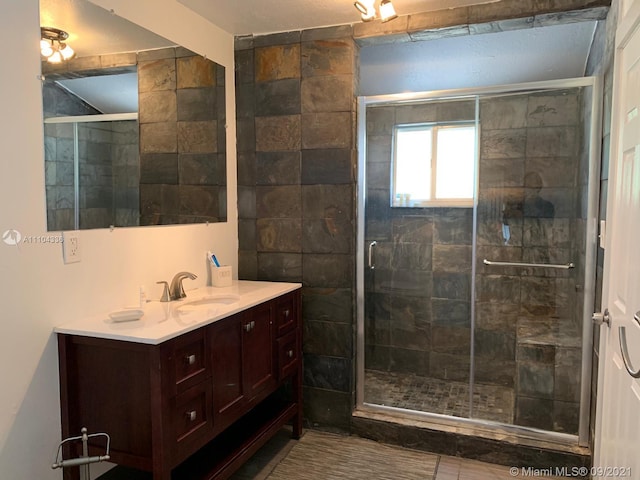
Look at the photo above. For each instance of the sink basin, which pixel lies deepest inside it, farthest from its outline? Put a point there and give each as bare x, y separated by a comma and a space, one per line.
206, 302
189, 311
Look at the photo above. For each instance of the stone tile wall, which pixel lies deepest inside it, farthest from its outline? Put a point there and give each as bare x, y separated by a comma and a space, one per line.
295, 110
182, 138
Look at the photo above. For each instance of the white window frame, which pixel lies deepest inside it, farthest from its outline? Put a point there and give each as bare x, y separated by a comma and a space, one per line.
432, 202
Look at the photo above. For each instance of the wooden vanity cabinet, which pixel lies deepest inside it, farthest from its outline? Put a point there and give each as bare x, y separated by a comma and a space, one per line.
196, 406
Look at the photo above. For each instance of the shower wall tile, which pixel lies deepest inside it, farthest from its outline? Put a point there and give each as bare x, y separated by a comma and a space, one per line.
411, 256
328, 93
452, 258
449, 367
327, 235
566, 417
328, 304
535, 380
511, 143
278, 202
415, 113
280, 267
551, 141
552, 110
197, 137
553, 171
327, 338
451, 340
324, 407
534, 412
332, 270
404, 282
404, 360
413, 229
548, 232
157, 106
277, 168
196, 104
456, 110
278, 97
498, 289
503, 113
454, 313
453, 286
328, 57
329, 373
501, 172
277, 133
495, 345
536, 353
327, 201
453, 226
159, 168
380, 123
377, 357
279, 235
277, 62
331, 166
487, 373
200, 169
327, 130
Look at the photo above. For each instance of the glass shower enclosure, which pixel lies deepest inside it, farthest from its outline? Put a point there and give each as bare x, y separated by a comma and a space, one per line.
474, 302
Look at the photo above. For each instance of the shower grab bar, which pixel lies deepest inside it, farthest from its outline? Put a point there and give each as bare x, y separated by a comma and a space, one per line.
565, 266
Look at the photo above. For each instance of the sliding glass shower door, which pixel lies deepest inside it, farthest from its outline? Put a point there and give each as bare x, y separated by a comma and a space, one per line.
473, 293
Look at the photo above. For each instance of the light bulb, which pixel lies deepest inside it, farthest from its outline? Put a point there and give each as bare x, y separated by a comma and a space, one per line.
56, 57
366, 9
66, 51
46, 49
387, 12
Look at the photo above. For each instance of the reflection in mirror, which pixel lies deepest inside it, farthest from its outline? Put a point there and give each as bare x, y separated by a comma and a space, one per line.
132, 136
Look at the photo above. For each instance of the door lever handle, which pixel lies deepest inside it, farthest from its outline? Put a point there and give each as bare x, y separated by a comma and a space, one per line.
625, 353
636, 317
602, 317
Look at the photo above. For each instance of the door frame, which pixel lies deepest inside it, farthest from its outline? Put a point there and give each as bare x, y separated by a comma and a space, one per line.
479, 426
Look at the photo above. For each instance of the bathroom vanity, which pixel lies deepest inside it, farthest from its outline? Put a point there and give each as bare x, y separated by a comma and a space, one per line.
193, 388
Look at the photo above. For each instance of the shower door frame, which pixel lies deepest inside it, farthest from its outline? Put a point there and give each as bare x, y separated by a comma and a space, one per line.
438, 421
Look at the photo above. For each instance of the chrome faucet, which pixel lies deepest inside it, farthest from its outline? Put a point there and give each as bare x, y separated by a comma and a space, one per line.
176, 291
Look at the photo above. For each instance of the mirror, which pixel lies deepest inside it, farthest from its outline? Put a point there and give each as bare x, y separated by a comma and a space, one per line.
134, 126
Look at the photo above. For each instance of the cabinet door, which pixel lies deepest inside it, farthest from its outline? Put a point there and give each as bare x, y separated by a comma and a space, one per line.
259, 365
227, 369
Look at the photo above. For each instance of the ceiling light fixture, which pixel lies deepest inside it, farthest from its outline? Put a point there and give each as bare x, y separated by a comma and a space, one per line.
368, 11
53, 46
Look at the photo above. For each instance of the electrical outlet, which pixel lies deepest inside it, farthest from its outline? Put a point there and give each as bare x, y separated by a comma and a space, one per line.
71, 247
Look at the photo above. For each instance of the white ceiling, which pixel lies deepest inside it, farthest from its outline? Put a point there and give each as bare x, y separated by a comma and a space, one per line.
242, 17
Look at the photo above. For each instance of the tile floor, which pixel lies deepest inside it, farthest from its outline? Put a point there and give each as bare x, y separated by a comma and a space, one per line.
446, 397
260, 466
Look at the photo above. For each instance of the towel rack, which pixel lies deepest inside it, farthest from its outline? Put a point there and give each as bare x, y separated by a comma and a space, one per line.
565, 266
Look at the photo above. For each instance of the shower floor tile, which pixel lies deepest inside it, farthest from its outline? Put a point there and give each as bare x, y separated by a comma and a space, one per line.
445, 397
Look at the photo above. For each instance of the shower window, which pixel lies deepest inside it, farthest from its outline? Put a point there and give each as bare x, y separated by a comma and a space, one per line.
433, 165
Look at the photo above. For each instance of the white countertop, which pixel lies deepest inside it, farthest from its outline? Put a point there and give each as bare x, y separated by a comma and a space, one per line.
163, 321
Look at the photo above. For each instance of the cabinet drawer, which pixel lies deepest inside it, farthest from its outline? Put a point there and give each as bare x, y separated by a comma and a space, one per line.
192, 418
285, 314
287, 354
189, 364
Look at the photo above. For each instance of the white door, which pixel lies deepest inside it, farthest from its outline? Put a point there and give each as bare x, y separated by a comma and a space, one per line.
617, 452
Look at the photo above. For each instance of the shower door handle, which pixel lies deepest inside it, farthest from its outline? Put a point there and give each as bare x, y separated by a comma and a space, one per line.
371, 245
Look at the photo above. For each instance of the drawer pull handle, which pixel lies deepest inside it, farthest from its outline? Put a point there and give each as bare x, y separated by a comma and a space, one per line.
191, 359
249, 326
290, 353
192, 415
286, 313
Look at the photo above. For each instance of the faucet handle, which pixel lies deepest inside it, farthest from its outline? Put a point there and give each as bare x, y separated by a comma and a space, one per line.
165, 292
